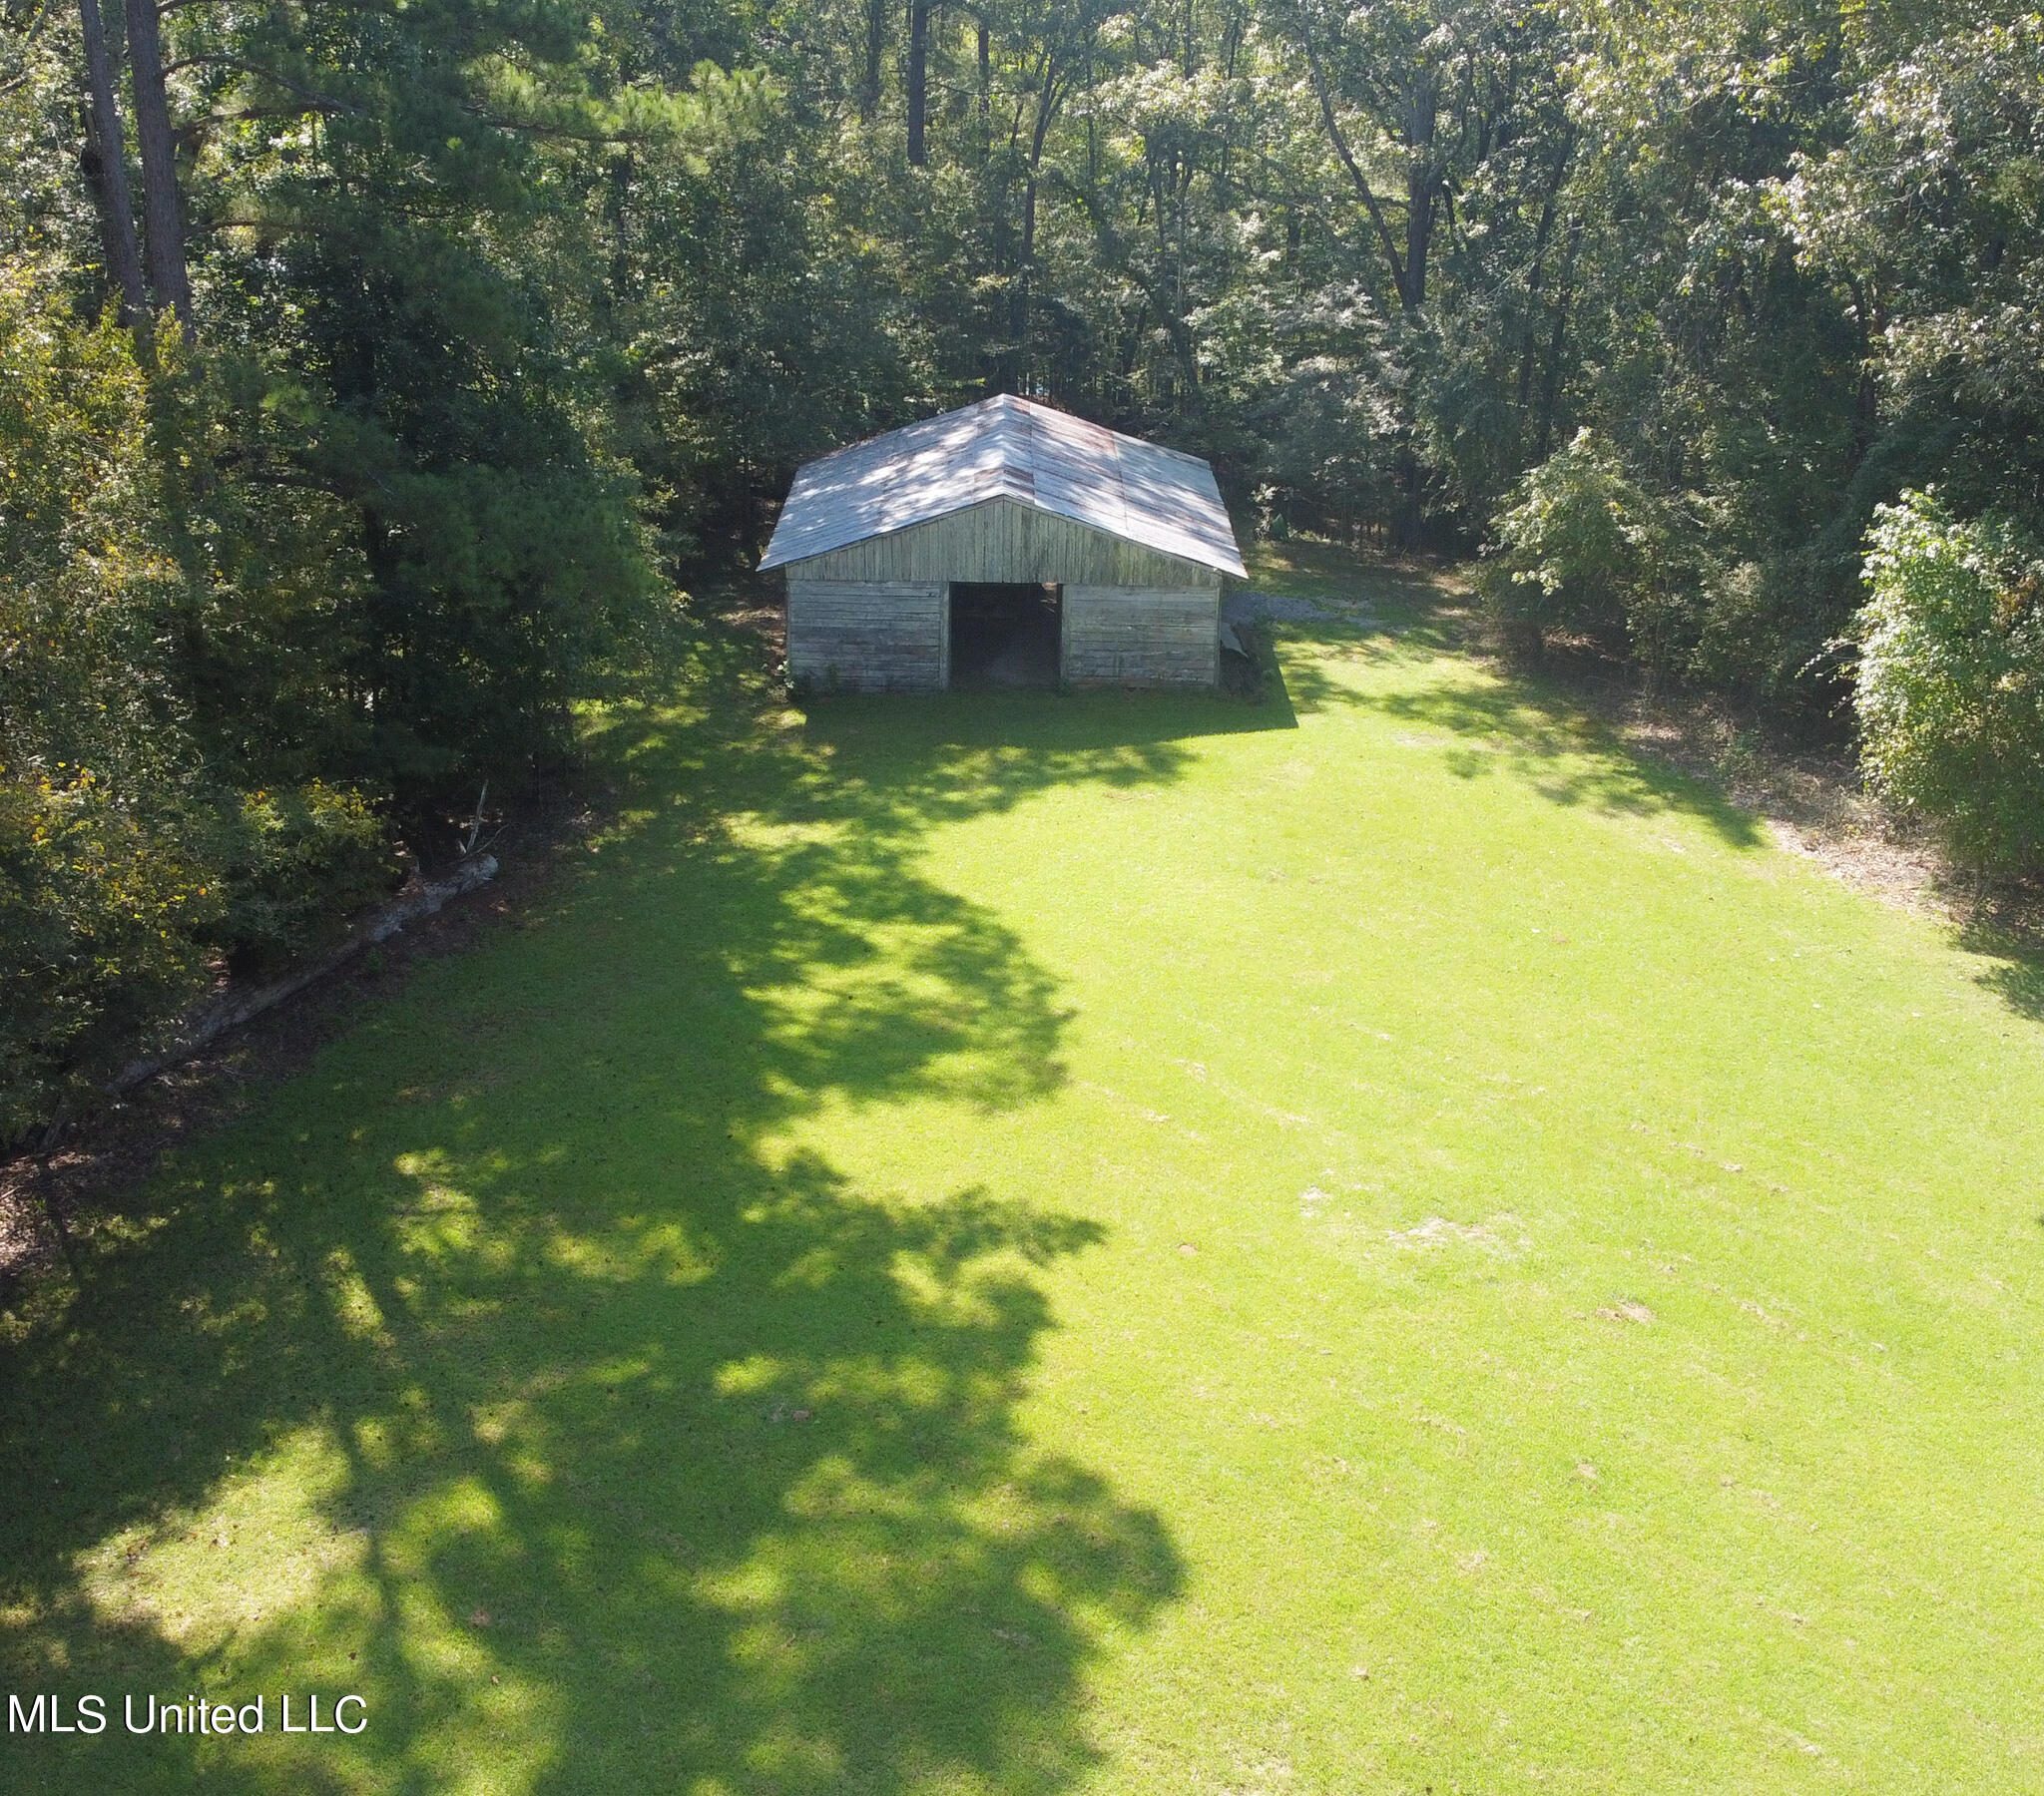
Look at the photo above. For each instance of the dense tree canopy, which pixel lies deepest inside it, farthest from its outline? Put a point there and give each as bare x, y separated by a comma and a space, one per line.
372, 371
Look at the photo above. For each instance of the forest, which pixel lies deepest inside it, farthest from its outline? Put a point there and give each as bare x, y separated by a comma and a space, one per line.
376, 378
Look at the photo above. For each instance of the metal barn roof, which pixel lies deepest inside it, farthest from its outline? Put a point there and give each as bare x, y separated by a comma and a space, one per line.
1007, 448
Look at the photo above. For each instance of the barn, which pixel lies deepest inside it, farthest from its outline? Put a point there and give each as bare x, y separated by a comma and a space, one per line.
1005, 544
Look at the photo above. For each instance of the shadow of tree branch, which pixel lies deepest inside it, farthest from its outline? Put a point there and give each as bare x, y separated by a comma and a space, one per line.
536, 1387
1489, 722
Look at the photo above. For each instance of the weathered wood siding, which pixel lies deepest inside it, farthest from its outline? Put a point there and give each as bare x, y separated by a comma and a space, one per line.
1002, 539
1142, 636
869, 636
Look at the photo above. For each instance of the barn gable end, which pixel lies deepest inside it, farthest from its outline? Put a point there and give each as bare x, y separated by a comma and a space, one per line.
1001, 540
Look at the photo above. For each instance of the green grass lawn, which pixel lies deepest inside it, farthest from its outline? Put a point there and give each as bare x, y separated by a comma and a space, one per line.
1359, 1243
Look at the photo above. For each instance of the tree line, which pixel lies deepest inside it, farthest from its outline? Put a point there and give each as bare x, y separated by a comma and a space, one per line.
371, 371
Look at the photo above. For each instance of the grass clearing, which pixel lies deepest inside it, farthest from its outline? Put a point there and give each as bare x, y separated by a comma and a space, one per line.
1106, 1243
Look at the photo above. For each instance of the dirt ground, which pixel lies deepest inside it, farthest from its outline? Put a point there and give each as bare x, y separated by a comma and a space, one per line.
1814, 806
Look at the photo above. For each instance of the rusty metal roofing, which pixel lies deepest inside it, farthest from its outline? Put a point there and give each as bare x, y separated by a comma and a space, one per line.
1007, 448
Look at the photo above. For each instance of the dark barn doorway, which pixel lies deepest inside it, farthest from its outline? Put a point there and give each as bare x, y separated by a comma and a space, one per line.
1003, 636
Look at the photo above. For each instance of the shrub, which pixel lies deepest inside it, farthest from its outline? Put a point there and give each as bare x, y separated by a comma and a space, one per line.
1584, 550
102, 904
302, 863
1950, 696
103, 876
128, 858
1769, 629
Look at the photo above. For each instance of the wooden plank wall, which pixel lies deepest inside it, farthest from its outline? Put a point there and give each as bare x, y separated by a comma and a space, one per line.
1001, 540
1141, 635
869, 636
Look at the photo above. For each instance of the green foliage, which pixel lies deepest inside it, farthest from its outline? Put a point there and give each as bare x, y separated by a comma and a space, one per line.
298, 862
105, 885
1585, 550
1929, 215
760, 331
1951, 677
314, 572
105, 904
139, 620
504, 320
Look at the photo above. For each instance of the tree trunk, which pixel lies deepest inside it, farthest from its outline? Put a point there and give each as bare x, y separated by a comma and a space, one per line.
876, 44
108, 171
1047, 100
1422, 188
1541, 233
163, 216
1419, 214
1550, 396
1363, 191
421, 900
986, 85
1018, 292
1408, 512
918, 78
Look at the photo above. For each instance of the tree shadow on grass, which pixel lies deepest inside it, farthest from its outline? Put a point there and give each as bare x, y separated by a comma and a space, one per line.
1570, 758
2018, 981
2007, 930
520, 1369
1491, 722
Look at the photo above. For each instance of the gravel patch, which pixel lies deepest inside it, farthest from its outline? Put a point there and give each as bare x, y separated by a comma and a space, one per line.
1273, 607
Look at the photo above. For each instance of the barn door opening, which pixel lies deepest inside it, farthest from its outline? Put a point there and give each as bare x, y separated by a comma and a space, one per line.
1004, 636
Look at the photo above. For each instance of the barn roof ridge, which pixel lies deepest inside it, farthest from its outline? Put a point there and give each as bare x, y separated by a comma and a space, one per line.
1006, 447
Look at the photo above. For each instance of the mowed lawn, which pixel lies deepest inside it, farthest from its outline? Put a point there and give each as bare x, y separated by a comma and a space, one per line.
1359, 1243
